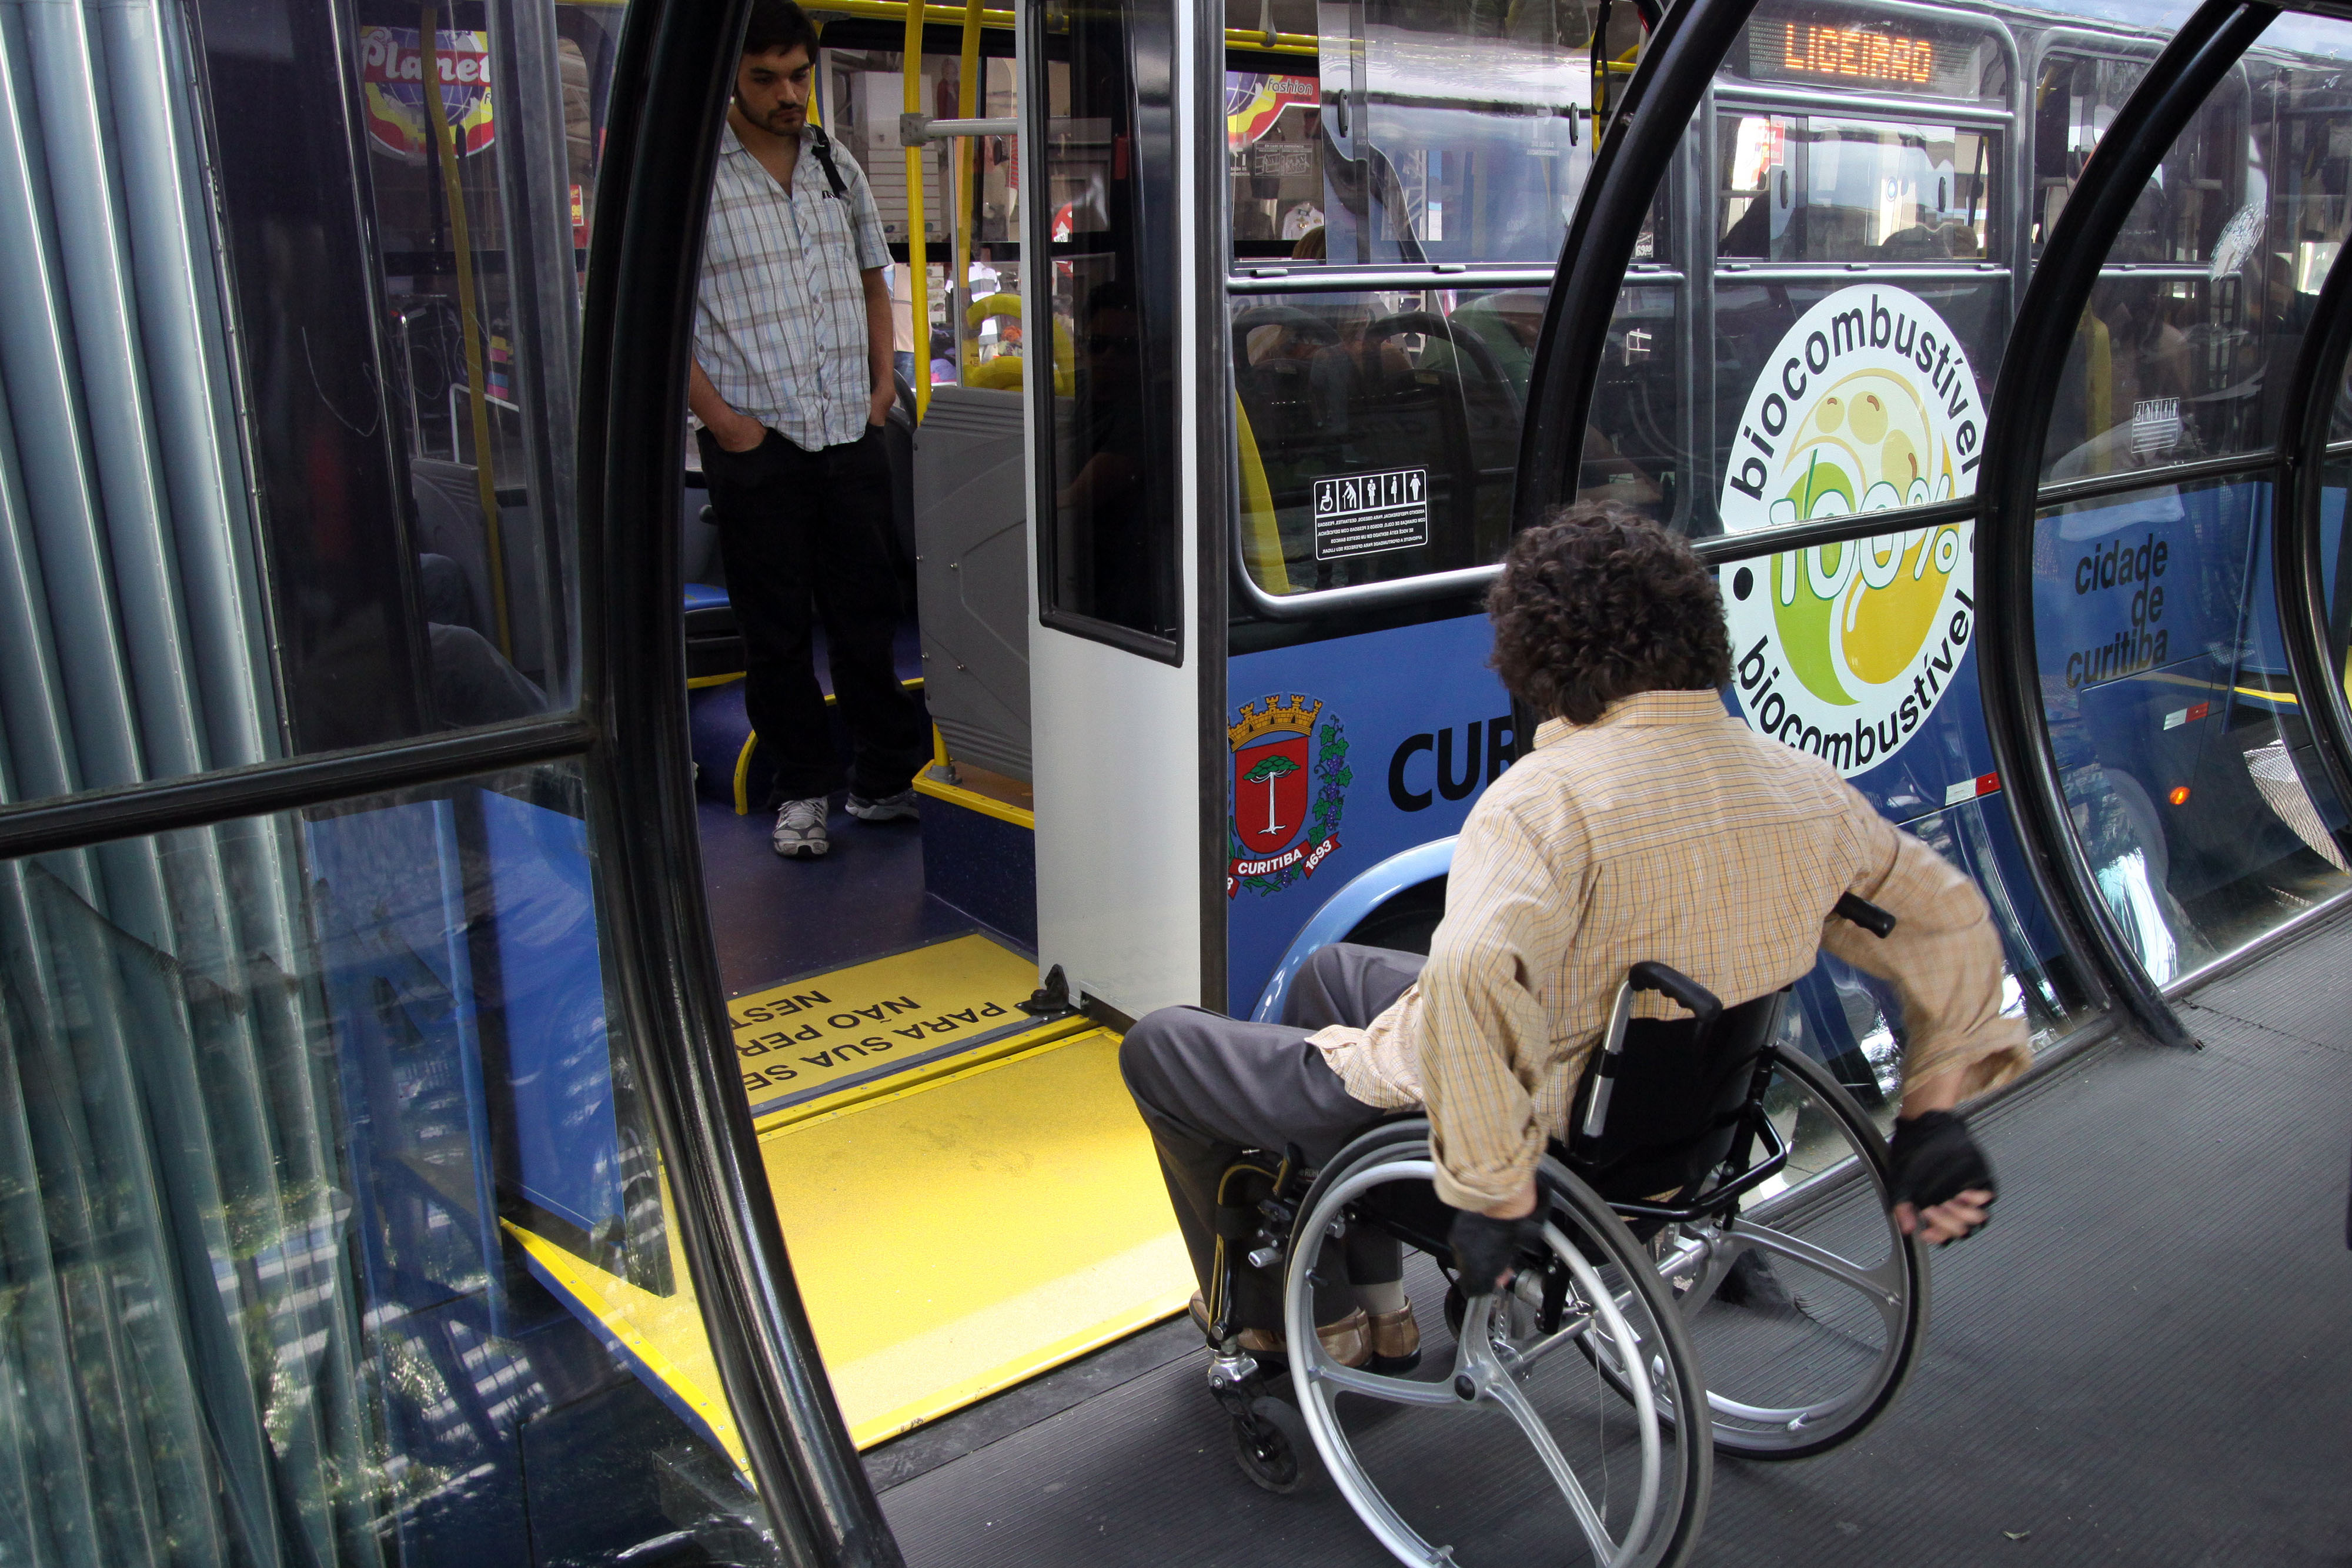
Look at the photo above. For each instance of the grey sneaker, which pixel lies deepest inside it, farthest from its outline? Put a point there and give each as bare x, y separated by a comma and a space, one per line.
888, 809
800, 829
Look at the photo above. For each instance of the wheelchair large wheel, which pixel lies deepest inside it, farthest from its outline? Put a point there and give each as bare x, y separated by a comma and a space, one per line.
1504, 1447
1807, 1308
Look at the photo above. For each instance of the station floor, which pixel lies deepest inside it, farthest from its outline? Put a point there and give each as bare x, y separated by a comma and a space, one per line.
2145, 1360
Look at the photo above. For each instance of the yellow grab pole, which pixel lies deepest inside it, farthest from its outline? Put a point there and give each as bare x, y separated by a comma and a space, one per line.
919, 260
961, 162
436, 121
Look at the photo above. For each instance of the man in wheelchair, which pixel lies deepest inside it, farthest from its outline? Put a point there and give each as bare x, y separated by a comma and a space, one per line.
1646, 824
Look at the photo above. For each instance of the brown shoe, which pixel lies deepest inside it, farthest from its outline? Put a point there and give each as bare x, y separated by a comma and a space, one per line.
1347, 1342
1396, 1341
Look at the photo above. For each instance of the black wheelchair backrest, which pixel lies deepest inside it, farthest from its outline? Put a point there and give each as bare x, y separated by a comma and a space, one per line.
1663, 1099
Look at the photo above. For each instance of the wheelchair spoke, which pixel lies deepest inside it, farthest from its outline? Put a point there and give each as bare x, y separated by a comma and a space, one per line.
1506, 1394
1882, 1285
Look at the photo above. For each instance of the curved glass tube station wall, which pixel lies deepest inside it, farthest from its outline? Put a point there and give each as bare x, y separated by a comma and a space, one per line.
375, 1185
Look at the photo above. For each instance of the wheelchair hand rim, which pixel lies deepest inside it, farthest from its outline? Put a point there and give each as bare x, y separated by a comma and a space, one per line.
1319, 1379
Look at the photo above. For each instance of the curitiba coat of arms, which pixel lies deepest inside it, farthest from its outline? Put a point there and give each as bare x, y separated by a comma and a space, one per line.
1290, 784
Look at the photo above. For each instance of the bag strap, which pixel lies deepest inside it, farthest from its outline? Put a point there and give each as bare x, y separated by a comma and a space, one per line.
822, 145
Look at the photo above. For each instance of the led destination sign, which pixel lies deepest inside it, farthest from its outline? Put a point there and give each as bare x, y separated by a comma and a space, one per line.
1853, 54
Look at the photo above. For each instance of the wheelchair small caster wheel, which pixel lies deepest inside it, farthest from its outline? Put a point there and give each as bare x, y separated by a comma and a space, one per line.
1273, 1449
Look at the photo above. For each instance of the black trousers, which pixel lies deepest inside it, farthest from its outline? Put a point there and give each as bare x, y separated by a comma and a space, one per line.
1208, 1086
803, 536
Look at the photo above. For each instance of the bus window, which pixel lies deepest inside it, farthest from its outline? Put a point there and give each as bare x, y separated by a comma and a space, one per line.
1448, 134
1378, 431
1107, 473
2199, 314
1817, 188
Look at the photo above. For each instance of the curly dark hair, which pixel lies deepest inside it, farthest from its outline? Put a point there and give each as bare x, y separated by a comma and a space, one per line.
1598, 602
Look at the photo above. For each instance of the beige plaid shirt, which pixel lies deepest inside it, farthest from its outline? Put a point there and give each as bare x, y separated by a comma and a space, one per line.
1667, 831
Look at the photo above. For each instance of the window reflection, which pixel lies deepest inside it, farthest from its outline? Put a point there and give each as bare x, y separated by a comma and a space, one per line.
1108, 477
2189, 339
1378, 432
1809, 188
1421, 132
2177, 733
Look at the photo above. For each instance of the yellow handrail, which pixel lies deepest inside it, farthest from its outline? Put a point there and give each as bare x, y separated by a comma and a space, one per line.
919, 258
486, 484
892, 10
1002, 21
959, 161
1282, 43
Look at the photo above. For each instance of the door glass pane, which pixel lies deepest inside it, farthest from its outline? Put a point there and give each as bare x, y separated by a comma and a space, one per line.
1107, 464
1378, 432
2176, 729
1448, 134
328, 1202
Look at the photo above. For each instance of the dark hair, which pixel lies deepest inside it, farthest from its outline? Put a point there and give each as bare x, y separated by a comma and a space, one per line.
1598, 602
779, 26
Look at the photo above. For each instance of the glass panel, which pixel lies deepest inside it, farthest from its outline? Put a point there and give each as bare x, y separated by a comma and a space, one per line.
245, 512
2174, 723
324, 1186
1876, 391
1378, 432
1760, 397
483, 199
2197, 322
1448, 132
1108, 461
1814, 188
2336, 568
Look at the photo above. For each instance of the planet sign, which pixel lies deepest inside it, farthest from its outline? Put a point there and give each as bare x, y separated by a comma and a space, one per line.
1867, 404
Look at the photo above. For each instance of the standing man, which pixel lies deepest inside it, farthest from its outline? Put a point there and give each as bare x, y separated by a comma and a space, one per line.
792, 386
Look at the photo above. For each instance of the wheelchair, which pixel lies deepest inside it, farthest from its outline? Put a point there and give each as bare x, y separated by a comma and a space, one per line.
1717, 1240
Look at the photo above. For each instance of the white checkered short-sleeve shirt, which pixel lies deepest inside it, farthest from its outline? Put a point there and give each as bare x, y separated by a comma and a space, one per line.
780, 313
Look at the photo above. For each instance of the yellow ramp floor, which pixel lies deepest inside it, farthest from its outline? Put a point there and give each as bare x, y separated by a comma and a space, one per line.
956, 1235
968, 1196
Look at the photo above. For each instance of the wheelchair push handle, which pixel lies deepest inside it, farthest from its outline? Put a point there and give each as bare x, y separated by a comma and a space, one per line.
1650, 976
1854, 907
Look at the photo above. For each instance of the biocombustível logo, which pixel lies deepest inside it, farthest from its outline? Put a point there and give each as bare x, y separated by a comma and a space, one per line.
1868, 404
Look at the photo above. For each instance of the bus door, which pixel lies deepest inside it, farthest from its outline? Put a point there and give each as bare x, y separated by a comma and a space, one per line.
1397, 184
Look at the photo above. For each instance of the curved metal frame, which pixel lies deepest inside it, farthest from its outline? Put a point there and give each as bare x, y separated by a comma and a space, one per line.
2009, 493
2310, 401
669, 90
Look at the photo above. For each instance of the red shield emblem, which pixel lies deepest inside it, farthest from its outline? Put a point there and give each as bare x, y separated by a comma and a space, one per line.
1270, 792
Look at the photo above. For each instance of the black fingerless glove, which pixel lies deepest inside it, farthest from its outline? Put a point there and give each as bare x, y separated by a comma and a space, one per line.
1485, 1249
1935, 1160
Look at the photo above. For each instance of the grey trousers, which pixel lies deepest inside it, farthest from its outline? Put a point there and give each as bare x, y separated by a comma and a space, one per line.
1209, 1087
